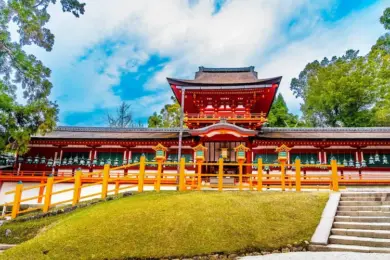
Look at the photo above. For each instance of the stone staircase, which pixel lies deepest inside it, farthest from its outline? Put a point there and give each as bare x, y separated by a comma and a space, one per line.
362, 223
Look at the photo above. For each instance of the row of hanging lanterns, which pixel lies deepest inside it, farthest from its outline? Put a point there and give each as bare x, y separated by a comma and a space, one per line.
7, 160
376, 159
85, 162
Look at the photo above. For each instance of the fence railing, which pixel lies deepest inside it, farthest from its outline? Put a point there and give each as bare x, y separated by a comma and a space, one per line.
181, 180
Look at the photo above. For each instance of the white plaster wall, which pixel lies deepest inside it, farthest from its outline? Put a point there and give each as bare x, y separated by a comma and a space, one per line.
10, 186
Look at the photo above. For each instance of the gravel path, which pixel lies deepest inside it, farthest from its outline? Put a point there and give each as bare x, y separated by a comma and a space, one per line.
320, 256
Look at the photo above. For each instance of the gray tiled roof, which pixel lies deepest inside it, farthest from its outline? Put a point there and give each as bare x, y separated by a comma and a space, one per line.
70, 132
326, 133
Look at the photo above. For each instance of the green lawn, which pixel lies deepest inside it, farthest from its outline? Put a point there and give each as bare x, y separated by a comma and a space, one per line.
23, 231
176, 224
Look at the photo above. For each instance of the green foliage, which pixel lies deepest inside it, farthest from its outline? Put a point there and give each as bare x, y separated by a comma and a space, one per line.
21, 70
385, 19
169, 116
172, 224
279, 115
340, 94
348, 91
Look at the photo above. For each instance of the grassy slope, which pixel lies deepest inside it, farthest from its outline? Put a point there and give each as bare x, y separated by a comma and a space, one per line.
178, 224
23, 231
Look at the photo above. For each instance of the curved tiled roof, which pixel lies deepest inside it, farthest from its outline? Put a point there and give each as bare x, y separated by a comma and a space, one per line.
225, 76
222, 125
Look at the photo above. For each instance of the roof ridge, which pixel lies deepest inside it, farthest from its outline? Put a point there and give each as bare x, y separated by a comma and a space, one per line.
236, 69
113, 129
326, 129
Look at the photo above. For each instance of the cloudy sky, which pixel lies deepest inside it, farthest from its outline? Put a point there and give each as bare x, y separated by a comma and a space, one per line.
123, 50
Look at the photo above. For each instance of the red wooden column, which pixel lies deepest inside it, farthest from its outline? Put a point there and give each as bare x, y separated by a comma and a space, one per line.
59, 157
92, 157
127, 157
359, 158
249, 157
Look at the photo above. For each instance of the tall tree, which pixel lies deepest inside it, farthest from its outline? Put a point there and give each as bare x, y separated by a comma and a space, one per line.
169, 116
340, 94
123, 117
345, 91
279, 115
21, 70
385, 18
351, 90
379, 58
155, 120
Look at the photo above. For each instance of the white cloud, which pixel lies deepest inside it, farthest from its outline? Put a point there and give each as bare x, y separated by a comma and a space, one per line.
243, 33
358, 31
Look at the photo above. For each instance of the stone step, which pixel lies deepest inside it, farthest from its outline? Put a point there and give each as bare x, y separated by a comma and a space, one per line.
348, 248
361, 233
360, 203
359, 241
360, 199
365, 194
363, 213
364, 208
380, 219
362, 225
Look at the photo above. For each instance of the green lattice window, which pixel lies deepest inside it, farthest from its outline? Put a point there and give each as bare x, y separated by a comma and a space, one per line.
149, 157
267, 158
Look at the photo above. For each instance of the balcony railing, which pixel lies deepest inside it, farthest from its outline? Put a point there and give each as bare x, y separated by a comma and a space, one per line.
229, 116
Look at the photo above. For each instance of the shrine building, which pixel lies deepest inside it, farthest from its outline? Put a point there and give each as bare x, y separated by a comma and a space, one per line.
223, 108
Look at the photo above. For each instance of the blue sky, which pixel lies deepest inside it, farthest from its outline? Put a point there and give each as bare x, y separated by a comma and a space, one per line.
123, 50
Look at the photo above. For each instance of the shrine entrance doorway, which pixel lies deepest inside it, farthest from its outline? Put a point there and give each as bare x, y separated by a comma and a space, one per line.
223, 149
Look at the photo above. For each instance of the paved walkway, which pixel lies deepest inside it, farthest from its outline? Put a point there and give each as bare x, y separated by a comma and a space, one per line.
320, 256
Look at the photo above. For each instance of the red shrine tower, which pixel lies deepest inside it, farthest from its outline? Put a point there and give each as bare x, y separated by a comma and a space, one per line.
225, 107
234, 95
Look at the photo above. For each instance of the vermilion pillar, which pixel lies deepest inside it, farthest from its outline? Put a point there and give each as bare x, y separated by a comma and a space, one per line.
249, 157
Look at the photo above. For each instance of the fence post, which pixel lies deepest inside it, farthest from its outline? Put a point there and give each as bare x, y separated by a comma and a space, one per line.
259, 174
77, 187
48, 193
17, 198
159, 169
199, 175
41, 191
141, 174
298, 174
106, 176
240, 175
283, 175
182, 180
117, 185
335, 177
250, 181
220, 174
